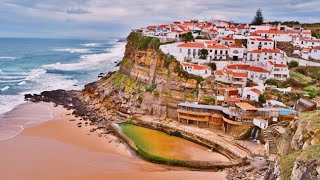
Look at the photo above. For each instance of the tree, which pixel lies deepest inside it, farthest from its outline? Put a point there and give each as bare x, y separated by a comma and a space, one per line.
213, 66
203, 53
258, 19
262, 99
188, 37
293, 64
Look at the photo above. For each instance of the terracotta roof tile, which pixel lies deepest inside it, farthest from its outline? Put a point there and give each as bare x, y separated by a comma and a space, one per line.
255, 90
196, 66
257, 69
192, 44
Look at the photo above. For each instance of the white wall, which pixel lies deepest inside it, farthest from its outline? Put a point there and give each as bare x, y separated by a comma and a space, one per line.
315, 54
254, 44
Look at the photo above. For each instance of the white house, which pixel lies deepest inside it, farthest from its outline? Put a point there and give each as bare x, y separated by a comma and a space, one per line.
236, 52
227, 41
305, 53
306, 42
190, 50
235, 78
315, 53
254, 28
222, 23
251, 94
258, 74
276, 35
279, 71
261, 123
200, 70
259, 43
264, 55
218, 52
306, 33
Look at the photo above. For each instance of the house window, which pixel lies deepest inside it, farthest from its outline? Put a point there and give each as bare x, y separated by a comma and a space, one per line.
226, 52
210, 50
221, 52
216, 52
180, 50
265, 43
252, 42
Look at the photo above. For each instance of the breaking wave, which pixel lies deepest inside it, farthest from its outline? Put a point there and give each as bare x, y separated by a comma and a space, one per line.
74, 50
91, 61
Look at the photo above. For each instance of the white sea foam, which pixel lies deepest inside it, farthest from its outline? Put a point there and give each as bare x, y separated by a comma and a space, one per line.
8, 102
22, 83
5, 88
74, 50
91, 44
8, 57
91, 61
44, 82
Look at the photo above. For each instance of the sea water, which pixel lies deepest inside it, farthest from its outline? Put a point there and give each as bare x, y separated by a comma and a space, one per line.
36, 65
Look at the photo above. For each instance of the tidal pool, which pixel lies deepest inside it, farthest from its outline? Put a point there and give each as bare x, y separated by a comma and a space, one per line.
171, 147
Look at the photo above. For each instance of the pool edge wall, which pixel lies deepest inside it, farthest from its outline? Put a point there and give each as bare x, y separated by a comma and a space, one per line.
159, 160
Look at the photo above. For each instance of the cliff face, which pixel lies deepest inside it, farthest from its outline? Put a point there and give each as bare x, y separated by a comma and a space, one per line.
299, 149
148, 82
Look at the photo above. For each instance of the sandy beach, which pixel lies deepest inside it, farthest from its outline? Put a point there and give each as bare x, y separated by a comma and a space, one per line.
50, 145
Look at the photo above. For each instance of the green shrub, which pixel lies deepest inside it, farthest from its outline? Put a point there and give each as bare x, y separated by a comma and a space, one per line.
311, 91
150, 88
262, 99
278, 83
293, 64
209, 100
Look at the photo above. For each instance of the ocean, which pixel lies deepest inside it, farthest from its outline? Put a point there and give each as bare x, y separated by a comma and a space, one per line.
35, 65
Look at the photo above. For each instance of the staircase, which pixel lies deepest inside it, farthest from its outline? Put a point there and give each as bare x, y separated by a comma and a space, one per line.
272, 145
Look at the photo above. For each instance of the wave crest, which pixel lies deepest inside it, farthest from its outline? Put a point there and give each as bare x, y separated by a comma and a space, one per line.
92, 61
74, 50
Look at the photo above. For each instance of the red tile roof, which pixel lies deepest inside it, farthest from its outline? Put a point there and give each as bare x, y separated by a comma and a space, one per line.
254, 34
238, 66
233, 99
196, 66
280, 65
265, 51
228, 39
217, 46
257, 69
261, 39
218, 72
236, 46
255, 90
192, 44
240, 74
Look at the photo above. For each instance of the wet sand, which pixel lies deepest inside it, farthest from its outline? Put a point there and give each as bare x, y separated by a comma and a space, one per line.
58, 149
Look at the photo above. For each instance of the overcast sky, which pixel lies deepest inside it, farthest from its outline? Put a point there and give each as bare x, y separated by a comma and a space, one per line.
115, 18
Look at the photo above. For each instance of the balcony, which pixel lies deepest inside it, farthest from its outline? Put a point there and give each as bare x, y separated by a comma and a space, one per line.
193, 112
237, 123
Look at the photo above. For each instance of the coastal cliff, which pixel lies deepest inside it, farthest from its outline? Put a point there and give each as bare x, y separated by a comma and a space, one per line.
148, 82
298, 146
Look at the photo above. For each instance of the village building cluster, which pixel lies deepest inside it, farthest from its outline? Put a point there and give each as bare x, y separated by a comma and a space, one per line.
245, 56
